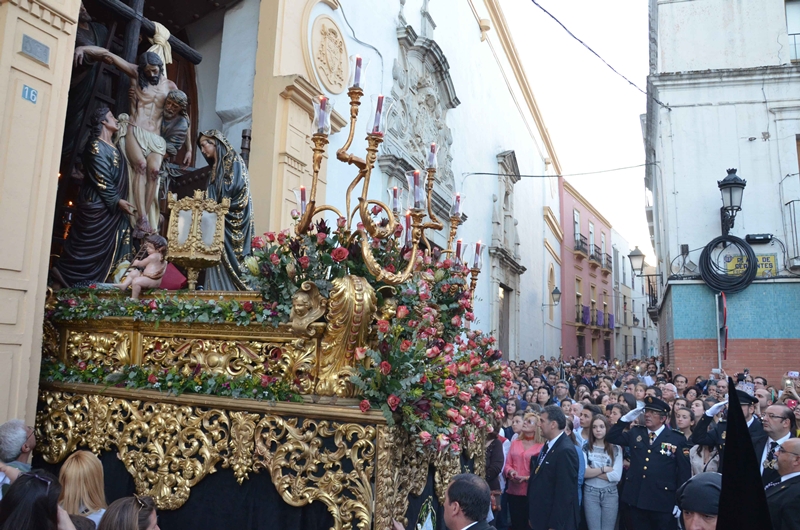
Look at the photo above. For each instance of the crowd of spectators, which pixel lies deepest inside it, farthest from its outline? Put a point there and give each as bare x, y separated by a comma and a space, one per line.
641, 433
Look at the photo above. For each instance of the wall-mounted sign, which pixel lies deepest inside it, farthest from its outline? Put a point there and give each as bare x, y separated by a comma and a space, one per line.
767, 265
30, 94
38, 51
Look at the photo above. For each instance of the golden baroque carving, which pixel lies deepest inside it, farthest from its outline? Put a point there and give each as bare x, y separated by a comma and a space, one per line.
351, 309
330, 54
240, 456
228, 357
297, 364
304, 469
51, 340
106, 348
308, 306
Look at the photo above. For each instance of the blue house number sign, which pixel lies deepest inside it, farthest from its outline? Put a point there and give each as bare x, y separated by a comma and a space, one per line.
30, 94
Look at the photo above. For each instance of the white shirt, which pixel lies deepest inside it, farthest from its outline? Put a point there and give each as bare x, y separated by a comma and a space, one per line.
752, 419
658, 432
766, 448
476, 522
552, 442
790, 475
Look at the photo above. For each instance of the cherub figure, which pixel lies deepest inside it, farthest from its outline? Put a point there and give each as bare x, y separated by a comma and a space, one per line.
147, 273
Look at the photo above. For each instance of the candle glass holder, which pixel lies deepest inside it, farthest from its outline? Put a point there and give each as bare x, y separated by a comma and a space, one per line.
381, 107
432, 156
302, 202
323, 108
457, 206
473, 255
396, 201
358, 71
417, 196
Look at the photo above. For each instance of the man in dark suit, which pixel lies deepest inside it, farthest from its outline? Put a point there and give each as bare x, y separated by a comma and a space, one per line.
779, 426
553, 484
466, 503
701, 435
659, 465
783, 498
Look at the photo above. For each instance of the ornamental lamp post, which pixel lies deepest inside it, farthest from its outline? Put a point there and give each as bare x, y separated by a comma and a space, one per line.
732, 189
637, 261
556, 296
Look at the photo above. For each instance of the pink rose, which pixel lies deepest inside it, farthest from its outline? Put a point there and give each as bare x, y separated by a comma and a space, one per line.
405, 345
361, 353
281, 238
456, 321
385, 367
258, 242
339, 254
455, 448
304, 262
432, 353
321, 237
376, 210
464, 396
275, 259
82, 365
341, 222
383, 326
402, 311
442, 441
447, 263
393, 402
270, 236
426, 437
153, 305
364, 405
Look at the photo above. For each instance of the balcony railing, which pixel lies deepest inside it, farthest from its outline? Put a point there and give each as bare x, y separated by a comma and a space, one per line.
583, 314
794, 46
608, 263
600, 319
596, 255
582, 244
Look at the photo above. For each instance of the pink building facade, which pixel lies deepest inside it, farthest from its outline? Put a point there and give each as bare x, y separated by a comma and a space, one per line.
587, 286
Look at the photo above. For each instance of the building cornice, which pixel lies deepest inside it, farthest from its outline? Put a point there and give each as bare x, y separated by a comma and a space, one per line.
586, 204
510, 49
727, 76
552, 221
552, 251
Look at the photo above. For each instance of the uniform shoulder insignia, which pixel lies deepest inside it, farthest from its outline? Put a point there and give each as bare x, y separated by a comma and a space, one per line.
723, 434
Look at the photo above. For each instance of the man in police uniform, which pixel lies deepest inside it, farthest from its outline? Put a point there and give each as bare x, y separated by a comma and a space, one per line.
701, 435
659, 465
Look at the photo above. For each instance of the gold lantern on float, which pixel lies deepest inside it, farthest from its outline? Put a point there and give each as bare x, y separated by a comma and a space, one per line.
196, 233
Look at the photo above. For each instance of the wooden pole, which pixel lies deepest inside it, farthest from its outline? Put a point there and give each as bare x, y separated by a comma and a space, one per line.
129, 48
131, 13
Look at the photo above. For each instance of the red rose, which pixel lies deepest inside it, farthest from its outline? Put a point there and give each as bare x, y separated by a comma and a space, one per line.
281, 238
72, 302
321, 237
93, 286
464, 396
339, 254
82, 365
390, 268
385, 367
153, 305
266, 380
456, 321
152, 379
275, 259
376, 210
247, 306
270, 236
447, 263
364, 405
304, 262
405, 345
258, 242
341, 222
402, 311
393, 401
383, 326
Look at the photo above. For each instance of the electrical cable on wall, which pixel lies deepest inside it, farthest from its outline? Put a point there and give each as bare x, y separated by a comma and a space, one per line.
716, 276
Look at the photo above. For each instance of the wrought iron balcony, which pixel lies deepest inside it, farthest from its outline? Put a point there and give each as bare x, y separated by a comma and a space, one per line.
608, 263
596, 256
582, 245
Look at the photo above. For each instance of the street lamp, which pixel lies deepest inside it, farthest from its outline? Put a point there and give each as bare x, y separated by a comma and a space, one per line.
556, 296
637, 261
635, 321
732, 189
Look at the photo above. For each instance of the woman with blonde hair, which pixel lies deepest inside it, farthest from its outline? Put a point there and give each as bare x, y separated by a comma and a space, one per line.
517, 470
83, 492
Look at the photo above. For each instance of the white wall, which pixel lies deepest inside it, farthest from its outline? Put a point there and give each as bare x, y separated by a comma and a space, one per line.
205, 36
486, 123
716, 34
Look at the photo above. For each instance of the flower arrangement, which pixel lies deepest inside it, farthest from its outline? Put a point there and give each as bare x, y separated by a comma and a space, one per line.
171, 381
427, 371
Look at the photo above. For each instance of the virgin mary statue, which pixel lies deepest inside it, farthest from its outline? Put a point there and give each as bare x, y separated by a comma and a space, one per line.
229, 178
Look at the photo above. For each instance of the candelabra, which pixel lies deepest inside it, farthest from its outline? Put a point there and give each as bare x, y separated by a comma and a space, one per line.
416, 224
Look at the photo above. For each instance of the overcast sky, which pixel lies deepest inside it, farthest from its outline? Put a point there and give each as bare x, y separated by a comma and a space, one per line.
592, 113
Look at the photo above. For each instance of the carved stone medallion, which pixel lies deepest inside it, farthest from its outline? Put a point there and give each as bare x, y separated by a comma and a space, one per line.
330, 54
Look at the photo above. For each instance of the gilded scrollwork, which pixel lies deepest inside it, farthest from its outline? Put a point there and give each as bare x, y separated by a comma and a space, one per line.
308, 306
229, 357
242, 440
51, 340
351, 308
298, 363
169, 448
112, 348
304, 469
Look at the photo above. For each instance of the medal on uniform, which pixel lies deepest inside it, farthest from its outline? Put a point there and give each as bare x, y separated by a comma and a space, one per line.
638, 438
723, 434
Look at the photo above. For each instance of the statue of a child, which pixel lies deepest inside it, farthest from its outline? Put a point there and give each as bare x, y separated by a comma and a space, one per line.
146, 273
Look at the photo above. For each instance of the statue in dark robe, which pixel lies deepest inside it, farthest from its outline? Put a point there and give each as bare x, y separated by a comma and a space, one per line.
84, 78
229, 178
100, 237
176, 131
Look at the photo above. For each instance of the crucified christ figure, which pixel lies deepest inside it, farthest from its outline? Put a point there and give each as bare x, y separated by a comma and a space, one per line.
143, 145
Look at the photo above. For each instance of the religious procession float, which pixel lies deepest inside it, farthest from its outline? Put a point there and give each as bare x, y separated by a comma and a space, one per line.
328, 376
